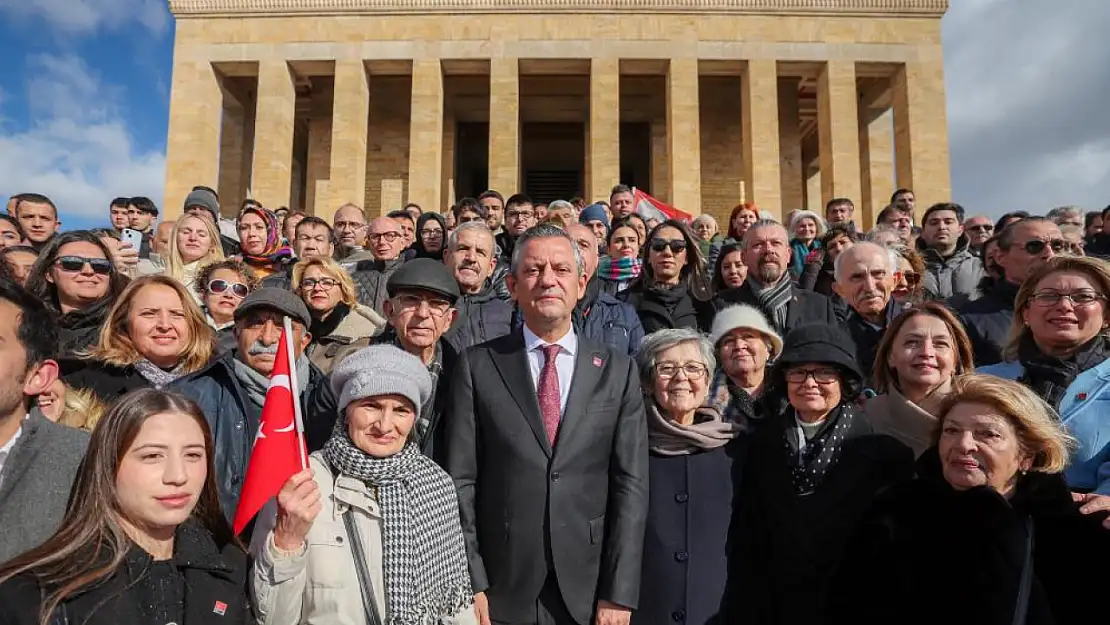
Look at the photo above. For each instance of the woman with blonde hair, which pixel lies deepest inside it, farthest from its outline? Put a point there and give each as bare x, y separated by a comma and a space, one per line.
1059, 346
194, 244
340, 325
988, 532
918, 357
153, 335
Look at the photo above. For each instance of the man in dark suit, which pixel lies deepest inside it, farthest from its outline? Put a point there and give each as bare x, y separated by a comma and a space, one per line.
547, 444
766, 252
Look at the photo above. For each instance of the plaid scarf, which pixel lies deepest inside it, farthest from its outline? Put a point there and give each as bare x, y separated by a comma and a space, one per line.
773, 300
424, 558
620, 269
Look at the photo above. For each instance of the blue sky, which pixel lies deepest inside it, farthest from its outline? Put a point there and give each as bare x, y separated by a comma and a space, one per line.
84, 93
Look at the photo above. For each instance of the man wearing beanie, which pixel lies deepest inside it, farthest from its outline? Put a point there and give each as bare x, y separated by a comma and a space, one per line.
420, 309
547, 443
203, 203
232, 388
594, 218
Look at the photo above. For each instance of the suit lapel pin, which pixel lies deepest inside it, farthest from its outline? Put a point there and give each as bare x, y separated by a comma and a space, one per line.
220, 608
598, 361
1081, 397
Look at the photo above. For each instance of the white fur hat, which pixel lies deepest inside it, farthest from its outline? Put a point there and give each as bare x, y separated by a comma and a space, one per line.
744, 316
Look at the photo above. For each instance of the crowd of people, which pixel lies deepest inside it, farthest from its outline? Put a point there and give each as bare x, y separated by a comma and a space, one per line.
557, 414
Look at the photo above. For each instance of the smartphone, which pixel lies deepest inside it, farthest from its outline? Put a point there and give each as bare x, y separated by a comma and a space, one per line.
132, 236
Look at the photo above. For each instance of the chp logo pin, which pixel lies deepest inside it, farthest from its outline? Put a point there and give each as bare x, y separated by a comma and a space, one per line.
220, 608
598, 361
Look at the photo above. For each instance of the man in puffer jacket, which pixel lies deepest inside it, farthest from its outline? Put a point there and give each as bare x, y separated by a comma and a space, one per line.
483, 313
952, 271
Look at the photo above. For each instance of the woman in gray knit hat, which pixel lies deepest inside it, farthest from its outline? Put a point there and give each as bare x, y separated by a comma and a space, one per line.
372, 527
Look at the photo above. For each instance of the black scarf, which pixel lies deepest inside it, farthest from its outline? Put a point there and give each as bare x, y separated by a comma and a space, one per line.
1050, 376
324, 327
811, 460
667, 296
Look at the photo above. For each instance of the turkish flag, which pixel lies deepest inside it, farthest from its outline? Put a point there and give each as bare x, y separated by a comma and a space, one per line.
649, 207
279, 450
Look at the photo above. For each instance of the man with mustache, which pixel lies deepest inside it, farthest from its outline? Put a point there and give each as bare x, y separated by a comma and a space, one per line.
232, 389
420, 308
483, 313
865, 280
766, 253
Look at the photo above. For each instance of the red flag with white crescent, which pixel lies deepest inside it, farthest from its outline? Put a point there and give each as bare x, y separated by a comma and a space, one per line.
649, 207
279, 450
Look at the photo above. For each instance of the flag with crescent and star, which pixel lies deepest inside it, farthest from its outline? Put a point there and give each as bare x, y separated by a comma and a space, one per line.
279, 449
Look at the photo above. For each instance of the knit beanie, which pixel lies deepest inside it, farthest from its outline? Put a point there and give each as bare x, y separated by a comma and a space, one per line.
204, 199
381, 370
593, 212
748, 317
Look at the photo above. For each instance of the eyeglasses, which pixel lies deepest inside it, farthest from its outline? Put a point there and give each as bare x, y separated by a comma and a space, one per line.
325, 283
911, 277
468, 219
349, 225
390, 237
820, 376
436, 232
520, 214
693, 370
981, 227
676, 245
1077, 299
238, 289
74, 264
438, 307
1036, 246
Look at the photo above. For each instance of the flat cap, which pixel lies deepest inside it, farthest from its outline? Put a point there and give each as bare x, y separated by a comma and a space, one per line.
424, 274
271, 298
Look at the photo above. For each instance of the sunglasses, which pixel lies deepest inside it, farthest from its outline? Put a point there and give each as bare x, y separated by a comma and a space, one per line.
74, 264
238, 289
911, 277
676, 245
1036, 246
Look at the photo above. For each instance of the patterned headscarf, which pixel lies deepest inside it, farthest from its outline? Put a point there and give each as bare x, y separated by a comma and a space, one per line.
274, 251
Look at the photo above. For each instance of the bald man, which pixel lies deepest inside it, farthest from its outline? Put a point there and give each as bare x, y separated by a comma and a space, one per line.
372, 267
349, 224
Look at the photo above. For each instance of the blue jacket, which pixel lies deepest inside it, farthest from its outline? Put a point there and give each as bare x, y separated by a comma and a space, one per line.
234, 420
608, 320
1085, 411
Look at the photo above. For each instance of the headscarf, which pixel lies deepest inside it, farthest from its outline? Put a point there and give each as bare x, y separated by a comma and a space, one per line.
275, 251
418, 242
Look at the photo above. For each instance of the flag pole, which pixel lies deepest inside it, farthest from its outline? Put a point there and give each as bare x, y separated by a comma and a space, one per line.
295, 387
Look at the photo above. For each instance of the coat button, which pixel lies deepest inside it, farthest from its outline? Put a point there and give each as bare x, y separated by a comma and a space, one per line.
555, 476
681, 556
682, 497
678, 615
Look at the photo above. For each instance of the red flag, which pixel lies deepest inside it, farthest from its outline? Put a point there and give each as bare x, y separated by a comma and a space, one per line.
651, 208
279, 450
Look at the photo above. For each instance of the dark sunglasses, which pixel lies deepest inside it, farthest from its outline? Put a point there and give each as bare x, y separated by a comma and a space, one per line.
1036, 246
676, 245
238, 289
911, 277
73, 264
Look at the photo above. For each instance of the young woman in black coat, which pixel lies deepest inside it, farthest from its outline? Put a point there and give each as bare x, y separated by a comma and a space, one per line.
144, 539
812, 472
988, 533
673, 289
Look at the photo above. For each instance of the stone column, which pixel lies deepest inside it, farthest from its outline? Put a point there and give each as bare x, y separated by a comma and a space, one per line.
350, 121
425, 134
683, 135
760, 112
876, 163
318, 167
790, 146
232, 145
813, 194
604, 148
504, 126
447, 193
660, 175
921, 132
193, 148
838, 131
271, 178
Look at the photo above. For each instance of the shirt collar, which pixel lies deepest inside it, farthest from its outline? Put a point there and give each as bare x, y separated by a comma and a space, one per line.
8, 446
569, 341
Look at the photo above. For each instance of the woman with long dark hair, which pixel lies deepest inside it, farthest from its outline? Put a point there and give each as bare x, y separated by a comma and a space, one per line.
672, 290
144, 539
77, 280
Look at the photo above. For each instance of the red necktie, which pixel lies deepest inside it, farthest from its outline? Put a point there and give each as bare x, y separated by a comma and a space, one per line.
549, 393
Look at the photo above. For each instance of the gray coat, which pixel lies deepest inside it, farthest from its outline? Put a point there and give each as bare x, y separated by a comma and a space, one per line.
956, 276
35, 484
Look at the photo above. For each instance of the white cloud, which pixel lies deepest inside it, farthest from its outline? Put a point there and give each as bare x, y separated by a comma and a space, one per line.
88, 16
77, 149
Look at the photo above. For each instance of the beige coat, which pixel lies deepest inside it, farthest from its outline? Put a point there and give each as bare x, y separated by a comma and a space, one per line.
893, 414
351, 335
318, 585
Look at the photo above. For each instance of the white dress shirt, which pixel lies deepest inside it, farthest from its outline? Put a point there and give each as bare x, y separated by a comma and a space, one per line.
564, 361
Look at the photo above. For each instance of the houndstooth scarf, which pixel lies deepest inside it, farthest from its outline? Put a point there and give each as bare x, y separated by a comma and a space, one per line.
773, 300
424, 558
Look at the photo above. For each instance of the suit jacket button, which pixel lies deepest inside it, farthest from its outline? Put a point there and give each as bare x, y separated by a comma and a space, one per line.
681, 556
678, 615
682, 498
555, 476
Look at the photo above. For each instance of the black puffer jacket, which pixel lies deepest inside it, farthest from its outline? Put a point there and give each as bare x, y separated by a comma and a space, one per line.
370, 277
659, 310
107, 382
987, 321
482, 316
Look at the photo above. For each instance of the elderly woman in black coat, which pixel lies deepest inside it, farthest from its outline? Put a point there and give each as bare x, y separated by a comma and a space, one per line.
696, 456
988, 533
814, 469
